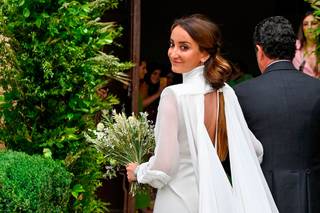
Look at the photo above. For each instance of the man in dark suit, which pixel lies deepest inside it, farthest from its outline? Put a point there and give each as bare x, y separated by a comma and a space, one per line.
282, 109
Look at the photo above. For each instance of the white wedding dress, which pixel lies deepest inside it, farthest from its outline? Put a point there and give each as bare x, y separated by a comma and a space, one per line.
185, 167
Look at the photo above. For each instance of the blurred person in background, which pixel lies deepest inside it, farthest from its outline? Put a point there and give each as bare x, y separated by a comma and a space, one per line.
306, 60
150, 90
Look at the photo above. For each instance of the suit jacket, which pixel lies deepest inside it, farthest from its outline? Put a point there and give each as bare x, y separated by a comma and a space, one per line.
282, 109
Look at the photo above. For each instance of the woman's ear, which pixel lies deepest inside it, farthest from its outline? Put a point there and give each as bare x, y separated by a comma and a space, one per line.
204, 58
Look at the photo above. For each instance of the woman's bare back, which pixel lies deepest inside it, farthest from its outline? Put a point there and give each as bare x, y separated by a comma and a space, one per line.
210, 113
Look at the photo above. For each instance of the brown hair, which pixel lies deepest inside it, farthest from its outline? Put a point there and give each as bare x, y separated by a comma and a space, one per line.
222, 142
216, 69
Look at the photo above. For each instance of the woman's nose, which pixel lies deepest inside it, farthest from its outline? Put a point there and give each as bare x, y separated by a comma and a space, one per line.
173, 52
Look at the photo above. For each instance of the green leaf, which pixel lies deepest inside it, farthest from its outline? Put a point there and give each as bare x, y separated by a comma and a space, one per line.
106, 40
47, 153
76, 190
38, 21
86, 8
45, 15
21, 3
72, 137
70, 116
26, 12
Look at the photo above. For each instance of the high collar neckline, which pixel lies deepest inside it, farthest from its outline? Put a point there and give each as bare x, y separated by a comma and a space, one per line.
196, 73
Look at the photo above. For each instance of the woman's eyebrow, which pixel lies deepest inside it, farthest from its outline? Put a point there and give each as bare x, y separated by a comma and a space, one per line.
184, 42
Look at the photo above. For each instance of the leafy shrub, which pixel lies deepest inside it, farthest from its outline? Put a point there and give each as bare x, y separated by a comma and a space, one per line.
32, 184
50, 72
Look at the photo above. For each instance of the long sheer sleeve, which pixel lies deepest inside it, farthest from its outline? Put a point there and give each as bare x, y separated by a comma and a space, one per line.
161, 167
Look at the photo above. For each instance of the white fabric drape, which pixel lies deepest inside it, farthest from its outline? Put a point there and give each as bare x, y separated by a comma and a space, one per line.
184, 104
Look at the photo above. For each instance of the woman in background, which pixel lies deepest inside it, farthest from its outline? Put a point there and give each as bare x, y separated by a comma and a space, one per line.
306, 59
150, 90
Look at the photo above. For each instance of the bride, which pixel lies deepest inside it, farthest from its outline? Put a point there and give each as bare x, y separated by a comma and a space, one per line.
199, 124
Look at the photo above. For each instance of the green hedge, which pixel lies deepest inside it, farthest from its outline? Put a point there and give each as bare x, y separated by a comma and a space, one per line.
32, 183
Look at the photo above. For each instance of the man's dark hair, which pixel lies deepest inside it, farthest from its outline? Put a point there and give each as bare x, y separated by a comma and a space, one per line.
276, 37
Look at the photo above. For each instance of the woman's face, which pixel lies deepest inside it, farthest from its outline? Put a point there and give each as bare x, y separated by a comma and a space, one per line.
184, 52
155, 76
142, 70
310, 24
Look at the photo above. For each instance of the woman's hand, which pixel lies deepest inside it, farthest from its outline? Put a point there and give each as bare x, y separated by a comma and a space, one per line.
131, 167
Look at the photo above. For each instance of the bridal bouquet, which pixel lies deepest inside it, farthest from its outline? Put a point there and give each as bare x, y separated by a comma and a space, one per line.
123, 140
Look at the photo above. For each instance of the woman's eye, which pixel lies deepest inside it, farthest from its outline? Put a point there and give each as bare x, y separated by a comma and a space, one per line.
184, 47
313, 23
171, 44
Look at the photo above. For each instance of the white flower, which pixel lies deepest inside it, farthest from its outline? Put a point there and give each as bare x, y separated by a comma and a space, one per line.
100, 127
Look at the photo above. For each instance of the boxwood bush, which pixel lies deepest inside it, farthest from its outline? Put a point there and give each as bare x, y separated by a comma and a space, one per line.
32, 183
